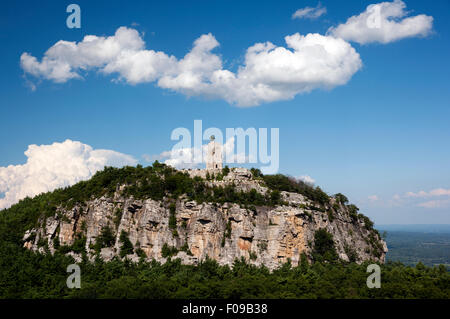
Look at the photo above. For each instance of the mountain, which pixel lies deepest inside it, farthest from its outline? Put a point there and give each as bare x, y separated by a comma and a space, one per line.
158, 212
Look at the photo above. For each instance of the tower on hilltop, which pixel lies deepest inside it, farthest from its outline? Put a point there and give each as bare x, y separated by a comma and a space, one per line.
214, 156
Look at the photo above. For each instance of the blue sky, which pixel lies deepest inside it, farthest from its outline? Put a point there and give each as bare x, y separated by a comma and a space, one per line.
385, 132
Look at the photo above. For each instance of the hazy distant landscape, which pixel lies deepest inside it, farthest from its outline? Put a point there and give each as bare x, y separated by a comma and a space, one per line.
410, 244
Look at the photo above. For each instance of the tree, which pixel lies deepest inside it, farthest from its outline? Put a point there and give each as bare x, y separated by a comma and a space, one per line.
225, 170
126, 247
56, 244
105, 239
173, 219
340, 198
256, 172
353, 211
167, 251
275, 197
324, 246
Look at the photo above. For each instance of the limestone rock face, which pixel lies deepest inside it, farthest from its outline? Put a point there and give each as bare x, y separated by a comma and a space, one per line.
265, 235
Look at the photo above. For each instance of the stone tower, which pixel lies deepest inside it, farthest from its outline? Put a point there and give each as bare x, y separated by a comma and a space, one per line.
214, 156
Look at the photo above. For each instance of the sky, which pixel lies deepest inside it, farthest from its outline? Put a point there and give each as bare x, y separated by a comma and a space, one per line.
362, 106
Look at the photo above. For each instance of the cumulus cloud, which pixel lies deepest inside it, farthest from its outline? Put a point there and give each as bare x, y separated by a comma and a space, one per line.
269, 72
373, 198
383, 22
434, 192
306, 179
437, 198
436, 204
149, 158
122, 53
310, 12
183, 158
53, 166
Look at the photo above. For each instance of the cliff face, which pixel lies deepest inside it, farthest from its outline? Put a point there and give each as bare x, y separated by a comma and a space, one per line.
262, 235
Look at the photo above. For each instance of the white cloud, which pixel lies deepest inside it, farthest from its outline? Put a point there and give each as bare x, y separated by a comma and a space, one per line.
373, 198
436, 204
53, 166
310, 12
182, 158
418, 194
383, 22
416, 199
440, 192
269, 73
434, 192
121, 53
307, 179
147, 157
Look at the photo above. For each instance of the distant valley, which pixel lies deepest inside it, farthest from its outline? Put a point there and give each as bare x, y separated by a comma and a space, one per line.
409, 244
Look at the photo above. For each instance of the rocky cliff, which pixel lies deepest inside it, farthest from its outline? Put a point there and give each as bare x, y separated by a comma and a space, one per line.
185, 227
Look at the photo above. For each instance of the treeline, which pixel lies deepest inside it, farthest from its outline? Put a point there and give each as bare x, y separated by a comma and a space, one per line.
288, 184
24, 274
